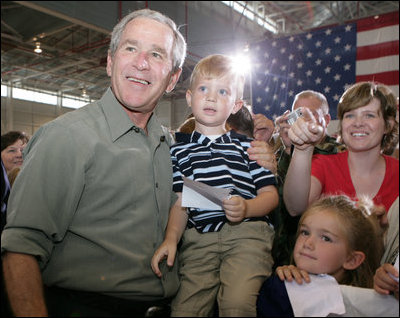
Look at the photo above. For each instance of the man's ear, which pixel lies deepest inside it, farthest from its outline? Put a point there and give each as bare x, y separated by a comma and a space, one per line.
173, 80
354, 260
327, 119
238, 104
109, 64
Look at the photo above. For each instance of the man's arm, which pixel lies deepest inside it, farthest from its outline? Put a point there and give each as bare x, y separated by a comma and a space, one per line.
24, 285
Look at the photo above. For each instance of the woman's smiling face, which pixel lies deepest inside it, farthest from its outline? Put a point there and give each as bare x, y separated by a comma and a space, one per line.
363, 128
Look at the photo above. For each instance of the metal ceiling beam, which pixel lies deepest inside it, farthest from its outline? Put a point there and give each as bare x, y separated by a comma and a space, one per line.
52, 70
56, 14
16, 33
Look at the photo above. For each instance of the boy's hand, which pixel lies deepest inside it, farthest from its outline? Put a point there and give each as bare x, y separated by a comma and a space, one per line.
288, 272
235, 208
166, 250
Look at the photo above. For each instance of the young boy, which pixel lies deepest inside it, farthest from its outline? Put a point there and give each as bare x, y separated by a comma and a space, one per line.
225, 255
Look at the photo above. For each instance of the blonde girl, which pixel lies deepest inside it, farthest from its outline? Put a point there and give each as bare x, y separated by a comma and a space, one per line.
336, 236
345, 238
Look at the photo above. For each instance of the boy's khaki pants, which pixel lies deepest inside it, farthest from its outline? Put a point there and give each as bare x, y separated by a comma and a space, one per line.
228, 266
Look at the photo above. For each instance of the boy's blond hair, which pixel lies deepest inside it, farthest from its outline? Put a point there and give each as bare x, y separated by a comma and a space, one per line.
216, 66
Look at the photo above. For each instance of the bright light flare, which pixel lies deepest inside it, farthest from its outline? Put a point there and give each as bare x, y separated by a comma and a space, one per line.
242, 64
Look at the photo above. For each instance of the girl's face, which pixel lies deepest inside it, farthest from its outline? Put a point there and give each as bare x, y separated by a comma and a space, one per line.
363, 128
321, 247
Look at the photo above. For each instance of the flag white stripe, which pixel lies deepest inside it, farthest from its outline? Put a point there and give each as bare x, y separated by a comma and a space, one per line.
376, 36
378, 65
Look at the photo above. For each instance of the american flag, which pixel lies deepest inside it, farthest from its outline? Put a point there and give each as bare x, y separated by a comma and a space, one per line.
327, 60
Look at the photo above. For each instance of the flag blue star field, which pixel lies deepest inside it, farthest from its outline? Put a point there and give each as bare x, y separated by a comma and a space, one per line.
324, 60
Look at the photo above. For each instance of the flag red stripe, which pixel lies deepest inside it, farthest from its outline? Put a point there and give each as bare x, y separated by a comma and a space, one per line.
377, 50
388, 78
384, 20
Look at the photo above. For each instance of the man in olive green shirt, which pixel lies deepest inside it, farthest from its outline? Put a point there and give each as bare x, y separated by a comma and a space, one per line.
91, 203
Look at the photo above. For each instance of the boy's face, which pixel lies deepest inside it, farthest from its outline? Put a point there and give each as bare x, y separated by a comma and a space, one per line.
212, 101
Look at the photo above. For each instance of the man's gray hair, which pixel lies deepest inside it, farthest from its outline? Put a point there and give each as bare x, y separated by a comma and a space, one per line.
317, 95
179, 46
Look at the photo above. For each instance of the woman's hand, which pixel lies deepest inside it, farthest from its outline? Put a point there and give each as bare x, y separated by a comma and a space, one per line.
306, 131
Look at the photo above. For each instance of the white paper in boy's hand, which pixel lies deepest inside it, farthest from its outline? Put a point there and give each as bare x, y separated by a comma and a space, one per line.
196, 194
319, 298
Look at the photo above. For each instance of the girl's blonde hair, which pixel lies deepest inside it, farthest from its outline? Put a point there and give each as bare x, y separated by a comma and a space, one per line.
360, 95
216, 66
362, 233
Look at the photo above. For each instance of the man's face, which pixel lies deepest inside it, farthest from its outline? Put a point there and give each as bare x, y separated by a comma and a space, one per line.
141, 68
314, 105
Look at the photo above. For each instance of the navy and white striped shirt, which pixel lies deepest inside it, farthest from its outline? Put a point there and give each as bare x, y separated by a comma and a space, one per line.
222, 163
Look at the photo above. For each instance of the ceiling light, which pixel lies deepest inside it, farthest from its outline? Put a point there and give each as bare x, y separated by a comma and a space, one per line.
37, 48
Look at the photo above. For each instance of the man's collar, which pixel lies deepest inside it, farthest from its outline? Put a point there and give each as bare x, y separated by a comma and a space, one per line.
117, 120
